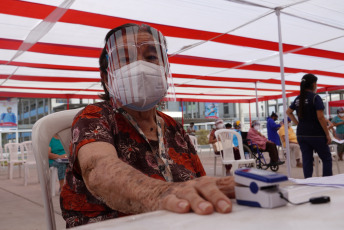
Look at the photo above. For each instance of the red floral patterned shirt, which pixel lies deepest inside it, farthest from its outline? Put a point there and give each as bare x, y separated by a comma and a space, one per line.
98, 122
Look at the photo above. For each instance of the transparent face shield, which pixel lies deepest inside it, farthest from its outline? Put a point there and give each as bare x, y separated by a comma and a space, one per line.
138, 69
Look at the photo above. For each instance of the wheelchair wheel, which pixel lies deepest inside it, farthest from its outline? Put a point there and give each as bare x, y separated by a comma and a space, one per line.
274, 168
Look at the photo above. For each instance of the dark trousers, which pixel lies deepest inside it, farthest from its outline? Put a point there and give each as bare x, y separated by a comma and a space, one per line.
317, 144
273, 152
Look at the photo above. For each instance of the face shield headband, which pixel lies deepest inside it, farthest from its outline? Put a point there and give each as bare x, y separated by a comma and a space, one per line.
138, 68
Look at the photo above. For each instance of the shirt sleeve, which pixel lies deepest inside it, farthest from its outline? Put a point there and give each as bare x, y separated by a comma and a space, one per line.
318, 103
293, 105
90, 125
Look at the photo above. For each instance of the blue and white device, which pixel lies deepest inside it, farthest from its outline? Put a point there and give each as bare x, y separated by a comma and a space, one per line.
259, 188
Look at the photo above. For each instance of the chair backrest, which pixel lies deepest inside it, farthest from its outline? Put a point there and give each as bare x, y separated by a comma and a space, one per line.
12, 150
28, 150
225, 137
42, 132
194, 141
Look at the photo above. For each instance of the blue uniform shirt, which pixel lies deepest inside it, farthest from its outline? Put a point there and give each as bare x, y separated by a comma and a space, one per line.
272, 128
309, 125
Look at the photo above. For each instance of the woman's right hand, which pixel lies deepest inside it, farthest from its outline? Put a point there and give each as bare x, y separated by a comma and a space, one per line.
203, 195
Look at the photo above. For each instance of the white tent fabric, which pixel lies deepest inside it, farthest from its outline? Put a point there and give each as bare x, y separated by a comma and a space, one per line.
218, 49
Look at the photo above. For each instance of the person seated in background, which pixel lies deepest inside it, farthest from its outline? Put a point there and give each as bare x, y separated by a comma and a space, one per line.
272, 128
293, 145
335, 140
264, 144
237, 128
338, 122
218, 148
56, 151
191, 130
212, 138
228, 126
126, 156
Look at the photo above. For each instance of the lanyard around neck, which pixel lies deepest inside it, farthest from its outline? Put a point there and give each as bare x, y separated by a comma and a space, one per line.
160, 155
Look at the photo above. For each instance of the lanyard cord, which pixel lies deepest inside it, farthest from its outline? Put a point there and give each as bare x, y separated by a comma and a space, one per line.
160, 155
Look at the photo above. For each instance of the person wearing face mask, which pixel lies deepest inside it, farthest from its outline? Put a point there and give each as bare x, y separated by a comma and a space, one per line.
272, 128
127, 157
263, 143
312, 133
293, 145
212, 138
8, 117
338, 122
219, 124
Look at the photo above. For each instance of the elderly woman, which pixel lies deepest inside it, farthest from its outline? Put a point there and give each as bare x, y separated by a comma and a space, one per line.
257, 138
127, 157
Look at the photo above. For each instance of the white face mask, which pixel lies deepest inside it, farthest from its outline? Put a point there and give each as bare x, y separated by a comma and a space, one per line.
139, 86
341, 114
256, 127
289, 124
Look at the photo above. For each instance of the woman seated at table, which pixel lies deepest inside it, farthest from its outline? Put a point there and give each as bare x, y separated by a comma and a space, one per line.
127, 157
56, 151
263, 143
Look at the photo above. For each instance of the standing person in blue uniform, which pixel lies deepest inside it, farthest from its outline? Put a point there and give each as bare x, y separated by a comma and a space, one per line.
272, 128
312, 133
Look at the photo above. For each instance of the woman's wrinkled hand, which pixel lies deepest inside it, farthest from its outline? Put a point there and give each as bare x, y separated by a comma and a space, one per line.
202, 195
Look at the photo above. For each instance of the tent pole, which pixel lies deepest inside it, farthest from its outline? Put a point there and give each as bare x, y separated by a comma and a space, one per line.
257, 108
181, 102
249, 110
277, 11
327, 106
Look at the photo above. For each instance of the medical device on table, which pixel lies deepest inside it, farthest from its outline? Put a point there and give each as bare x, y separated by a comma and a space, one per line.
259, 188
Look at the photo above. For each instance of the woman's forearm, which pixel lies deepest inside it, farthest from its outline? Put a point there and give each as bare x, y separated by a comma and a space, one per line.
119, 185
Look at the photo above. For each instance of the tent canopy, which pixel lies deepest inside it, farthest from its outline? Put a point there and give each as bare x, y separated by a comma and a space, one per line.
336, 103
218, 49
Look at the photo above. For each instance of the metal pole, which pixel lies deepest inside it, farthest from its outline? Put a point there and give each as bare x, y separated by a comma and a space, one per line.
249, 110
327, 106
277, 11
181, 102
257, 109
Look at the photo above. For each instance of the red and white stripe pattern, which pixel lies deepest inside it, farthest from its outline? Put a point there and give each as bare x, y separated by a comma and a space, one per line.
218, 49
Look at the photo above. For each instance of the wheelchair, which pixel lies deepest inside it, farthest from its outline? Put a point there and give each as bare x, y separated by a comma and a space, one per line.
254, 152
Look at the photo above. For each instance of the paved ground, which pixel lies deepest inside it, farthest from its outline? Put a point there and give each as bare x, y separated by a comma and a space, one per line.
22, 207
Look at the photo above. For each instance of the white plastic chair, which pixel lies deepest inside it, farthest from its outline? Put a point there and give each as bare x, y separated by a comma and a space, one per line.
225, 137
27, 150
212, 153
195, 144
334, 153
42, 132
13, 158
3, 159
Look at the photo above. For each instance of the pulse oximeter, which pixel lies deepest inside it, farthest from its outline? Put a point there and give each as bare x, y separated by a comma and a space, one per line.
259, 188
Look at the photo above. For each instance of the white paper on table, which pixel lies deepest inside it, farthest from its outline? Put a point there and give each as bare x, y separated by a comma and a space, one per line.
329, 181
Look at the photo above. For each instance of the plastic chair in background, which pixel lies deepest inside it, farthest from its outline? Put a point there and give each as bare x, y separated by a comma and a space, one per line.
212, 153
3, 159
334, 153
225, 137
29, 159
44, 129
195, 144
13, 158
